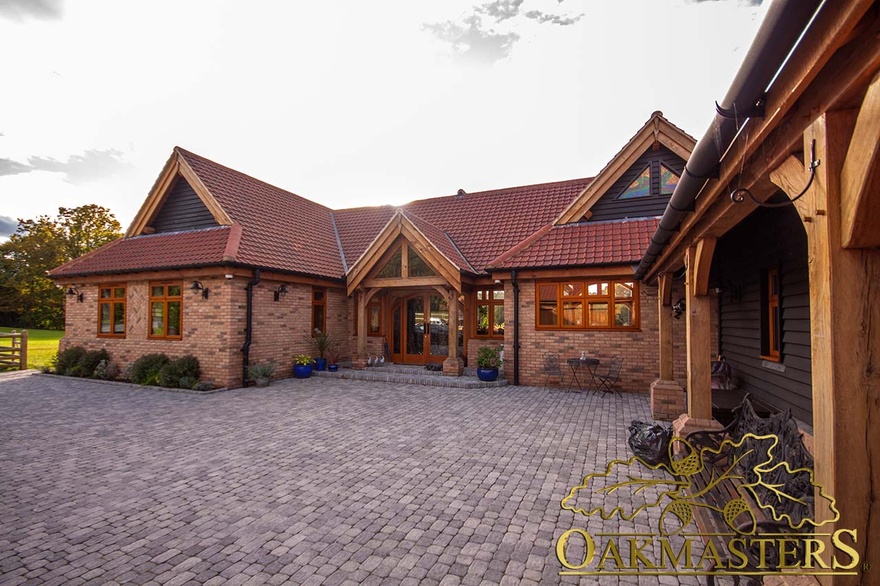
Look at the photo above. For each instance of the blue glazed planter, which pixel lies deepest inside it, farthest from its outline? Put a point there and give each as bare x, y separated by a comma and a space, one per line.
487, 374
333, 367
300, 371
320, 364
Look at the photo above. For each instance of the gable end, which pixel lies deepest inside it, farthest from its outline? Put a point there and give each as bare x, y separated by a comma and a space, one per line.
182, 210
612, 207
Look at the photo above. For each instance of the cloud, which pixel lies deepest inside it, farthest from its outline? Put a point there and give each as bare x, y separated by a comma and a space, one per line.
90, 166
473, 43
501, 9
552, 18
19, 10
471, 40
7, 226
10, 167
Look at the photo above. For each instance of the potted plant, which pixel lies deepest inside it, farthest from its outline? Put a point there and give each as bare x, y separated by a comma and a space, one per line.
334, 358
302, 366
260, 373
323, 343
488, 363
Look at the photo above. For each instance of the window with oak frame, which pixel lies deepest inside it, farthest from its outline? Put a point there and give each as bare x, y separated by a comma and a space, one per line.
489, 313
771, 317
587, 304
319, 306
166, 310
111, 311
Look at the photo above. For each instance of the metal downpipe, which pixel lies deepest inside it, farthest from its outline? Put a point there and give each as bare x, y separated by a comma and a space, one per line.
515, 284
249, 329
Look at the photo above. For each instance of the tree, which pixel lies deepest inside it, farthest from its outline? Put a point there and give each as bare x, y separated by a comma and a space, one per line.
28, 298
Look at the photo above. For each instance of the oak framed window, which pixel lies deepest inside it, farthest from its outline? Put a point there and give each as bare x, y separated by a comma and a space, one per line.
319, 309
111, 311
771, 315
374, 319
166, 310
489, 304
587, 304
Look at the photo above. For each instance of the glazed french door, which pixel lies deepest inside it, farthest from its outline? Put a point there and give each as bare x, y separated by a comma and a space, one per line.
420, 329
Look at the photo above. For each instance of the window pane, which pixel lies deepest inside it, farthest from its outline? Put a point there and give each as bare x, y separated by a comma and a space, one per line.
482, 320
640, 187
624, 315
623, 290
598, 314
105, 293
393, 268
572, 313
668, 180
498, 325
573, 290
157, 312
417, 266
118, 318
374, 319
318, 317
318, 295
498, 295
547, 313
597, 289
173, 290
173, 317
119, 292
105, 318
158, 291
547, 292
480, 295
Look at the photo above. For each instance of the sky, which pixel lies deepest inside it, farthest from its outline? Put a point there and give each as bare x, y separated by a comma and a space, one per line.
345, 102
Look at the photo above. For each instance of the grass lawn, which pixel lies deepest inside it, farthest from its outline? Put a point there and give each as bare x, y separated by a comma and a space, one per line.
42, 345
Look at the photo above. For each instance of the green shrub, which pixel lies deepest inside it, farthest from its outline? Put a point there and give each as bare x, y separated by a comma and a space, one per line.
203, 385
146, 369
86, 365
106, 370
67, 359
182, 373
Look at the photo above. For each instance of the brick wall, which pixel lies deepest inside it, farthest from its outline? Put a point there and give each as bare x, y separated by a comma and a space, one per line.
214, 328
207, 327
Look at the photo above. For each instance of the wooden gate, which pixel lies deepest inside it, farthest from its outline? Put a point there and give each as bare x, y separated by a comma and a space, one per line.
13, 350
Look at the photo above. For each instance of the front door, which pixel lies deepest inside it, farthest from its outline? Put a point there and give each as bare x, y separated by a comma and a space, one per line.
420, 329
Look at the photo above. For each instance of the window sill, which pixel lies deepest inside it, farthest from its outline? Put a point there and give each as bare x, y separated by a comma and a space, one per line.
770, 358
116, 336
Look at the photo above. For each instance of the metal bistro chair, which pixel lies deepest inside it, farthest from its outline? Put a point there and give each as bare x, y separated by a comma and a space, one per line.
552, 368
610, 377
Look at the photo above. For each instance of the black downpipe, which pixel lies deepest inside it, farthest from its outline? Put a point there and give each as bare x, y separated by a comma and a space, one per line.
515, 284
249, 330
782, 27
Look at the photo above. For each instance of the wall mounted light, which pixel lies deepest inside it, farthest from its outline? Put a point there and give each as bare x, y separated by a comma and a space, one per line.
74, 292
678, 309
280, 292
197, 286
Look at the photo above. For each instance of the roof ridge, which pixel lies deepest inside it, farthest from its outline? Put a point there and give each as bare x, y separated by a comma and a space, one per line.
520, 246
338, 243
184, 152
498, 189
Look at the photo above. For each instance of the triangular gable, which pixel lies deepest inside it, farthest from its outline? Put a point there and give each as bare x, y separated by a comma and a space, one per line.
175, 168
656, 131
401, 231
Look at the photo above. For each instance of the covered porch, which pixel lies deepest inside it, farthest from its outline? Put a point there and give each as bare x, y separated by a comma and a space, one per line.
797, 164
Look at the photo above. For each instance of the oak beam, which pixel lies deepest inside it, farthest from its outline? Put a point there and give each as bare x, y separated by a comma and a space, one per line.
860, 177
664, 323
362, 323
699, 358
845, 349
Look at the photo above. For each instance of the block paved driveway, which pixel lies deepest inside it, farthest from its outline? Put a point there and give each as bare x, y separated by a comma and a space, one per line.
307, 482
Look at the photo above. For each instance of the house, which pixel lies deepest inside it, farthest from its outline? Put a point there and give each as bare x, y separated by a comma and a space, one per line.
237, 271
775, 226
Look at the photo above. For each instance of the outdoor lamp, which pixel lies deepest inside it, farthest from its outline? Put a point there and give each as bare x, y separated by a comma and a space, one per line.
73, 291
678, 309
280, 292
197, 286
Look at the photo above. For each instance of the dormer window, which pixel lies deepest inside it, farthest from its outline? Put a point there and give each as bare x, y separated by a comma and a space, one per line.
664, 182
640, 187
668, 180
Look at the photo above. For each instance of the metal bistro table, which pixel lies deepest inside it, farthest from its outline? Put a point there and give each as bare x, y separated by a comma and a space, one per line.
576, 364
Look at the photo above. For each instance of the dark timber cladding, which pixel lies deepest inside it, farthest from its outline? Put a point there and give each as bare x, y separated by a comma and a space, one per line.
182, 210
609, 207
767, 239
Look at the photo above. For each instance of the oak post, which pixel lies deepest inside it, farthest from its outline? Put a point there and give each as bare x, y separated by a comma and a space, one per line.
664, 319
698, 259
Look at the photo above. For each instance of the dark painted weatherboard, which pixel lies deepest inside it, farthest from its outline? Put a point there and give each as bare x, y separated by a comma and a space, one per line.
182, 210
767, 238
609, 207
